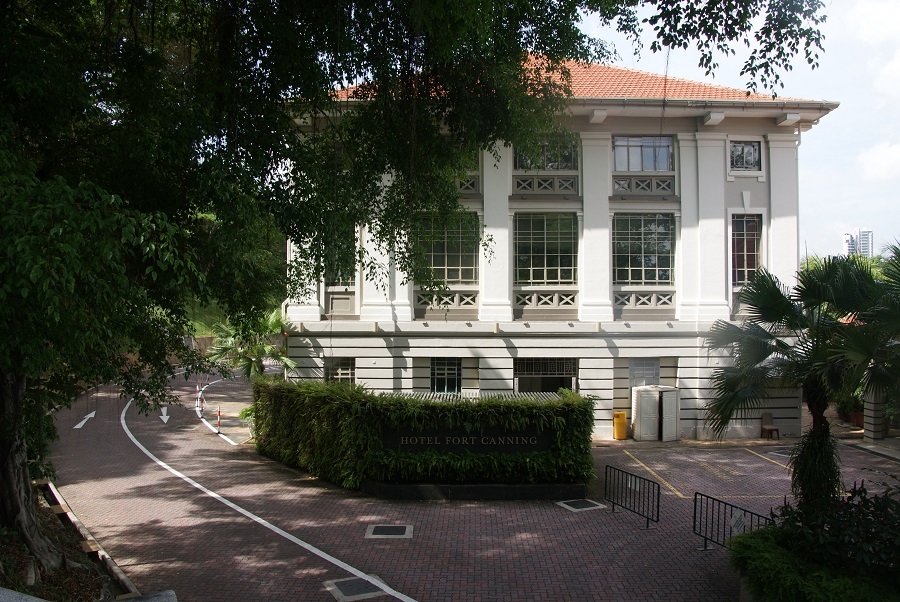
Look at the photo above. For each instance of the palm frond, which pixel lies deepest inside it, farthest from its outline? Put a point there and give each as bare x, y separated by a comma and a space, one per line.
738, 391
768, 302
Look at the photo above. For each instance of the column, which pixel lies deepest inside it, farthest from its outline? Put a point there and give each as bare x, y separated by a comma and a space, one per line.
687, 268
402, 296
376, 292
306, 307
712, 228
495, 270
784, 235
874, 418
594, 258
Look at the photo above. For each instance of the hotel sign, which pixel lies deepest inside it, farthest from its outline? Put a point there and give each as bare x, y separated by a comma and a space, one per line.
459, 440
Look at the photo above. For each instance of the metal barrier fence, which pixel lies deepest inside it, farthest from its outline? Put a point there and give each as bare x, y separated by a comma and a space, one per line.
716, 521
632, 492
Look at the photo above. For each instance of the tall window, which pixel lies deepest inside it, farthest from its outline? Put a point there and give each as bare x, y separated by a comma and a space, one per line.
745, 156
746, 236
554, 155
341, 369
546, 248
643, 153
454, 256
644, 248
446, 374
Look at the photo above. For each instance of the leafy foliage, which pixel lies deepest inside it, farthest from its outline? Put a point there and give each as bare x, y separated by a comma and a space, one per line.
334, 431
776, 574
150, 153
860, 534
835, 332
248, 350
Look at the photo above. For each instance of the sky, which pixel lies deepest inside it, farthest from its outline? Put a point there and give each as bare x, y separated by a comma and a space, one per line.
850, 161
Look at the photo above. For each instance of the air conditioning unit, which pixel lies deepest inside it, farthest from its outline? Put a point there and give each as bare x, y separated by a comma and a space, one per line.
654, 413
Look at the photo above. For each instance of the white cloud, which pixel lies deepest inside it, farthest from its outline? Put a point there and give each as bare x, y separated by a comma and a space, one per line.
879, 163
886, 74
871, 22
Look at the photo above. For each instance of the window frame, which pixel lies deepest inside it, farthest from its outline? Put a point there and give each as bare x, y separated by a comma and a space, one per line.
615, 165
673, 253
544, 166
444, 270
733, 173
574, 255
448, 370
339, 369
763, 240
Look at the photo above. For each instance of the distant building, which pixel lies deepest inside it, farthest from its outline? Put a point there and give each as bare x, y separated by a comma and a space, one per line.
861, 242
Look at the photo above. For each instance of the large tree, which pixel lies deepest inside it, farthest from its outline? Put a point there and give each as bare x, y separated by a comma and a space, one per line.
145, 145
836, 331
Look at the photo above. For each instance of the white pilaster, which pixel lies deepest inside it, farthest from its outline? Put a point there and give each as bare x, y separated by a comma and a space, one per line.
688, 252
784, 236
307, 306
595, 278
376, 292
712, 231
402, 297
495, 270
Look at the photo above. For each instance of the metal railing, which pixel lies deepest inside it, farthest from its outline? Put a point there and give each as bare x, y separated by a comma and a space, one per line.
716, 521
633, 493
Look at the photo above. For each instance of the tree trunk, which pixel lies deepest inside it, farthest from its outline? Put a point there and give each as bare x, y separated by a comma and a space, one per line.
17, 501
815, 464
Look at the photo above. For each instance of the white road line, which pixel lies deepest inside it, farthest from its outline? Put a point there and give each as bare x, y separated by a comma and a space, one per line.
204, 421
295, 540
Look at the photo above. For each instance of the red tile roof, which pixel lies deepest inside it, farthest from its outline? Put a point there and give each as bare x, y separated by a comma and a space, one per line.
604, 81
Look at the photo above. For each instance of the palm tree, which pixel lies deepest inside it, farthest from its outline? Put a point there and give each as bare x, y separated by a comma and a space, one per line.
837, 329
247, 350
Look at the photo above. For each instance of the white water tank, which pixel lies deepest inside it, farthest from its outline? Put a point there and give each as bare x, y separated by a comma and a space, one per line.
654, 413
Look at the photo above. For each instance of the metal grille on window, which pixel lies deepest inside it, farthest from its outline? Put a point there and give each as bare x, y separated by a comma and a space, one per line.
545, 366
341, 369
642, 153
644, 248
546, 248
446, 374
746, 236
454, 256
545, 375
745, 156
643, 371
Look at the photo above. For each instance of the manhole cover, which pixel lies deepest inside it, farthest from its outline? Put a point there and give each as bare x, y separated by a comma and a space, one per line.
389, 531
580, 505
353, 588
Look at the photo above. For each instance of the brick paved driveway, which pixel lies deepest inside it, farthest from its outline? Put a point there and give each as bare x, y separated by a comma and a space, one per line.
165, 533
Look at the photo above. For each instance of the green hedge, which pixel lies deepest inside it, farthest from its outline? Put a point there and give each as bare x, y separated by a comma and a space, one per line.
775, 574
333, 431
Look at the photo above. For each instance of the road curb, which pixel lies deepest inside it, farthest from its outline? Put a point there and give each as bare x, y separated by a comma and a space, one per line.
91, 544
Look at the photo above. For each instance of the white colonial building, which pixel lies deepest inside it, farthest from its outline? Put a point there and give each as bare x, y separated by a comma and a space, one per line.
609, 259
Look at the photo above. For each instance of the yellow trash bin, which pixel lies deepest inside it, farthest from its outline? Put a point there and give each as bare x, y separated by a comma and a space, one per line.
620, 426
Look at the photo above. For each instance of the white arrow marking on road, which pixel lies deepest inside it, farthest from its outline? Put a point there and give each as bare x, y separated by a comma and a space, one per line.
165, 415
86, 418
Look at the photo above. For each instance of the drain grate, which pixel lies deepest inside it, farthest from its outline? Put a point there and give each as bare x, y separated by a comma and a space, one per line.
580, 505
353, 588
389, 531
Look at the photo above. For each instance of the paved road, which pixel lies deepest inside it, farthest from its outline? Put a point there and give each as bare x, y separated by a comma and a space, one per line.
285, 535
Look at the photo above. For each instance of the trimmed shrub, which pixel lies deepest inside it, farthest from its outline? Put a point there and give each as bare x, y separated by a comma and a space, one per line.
334, 431
776, 574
